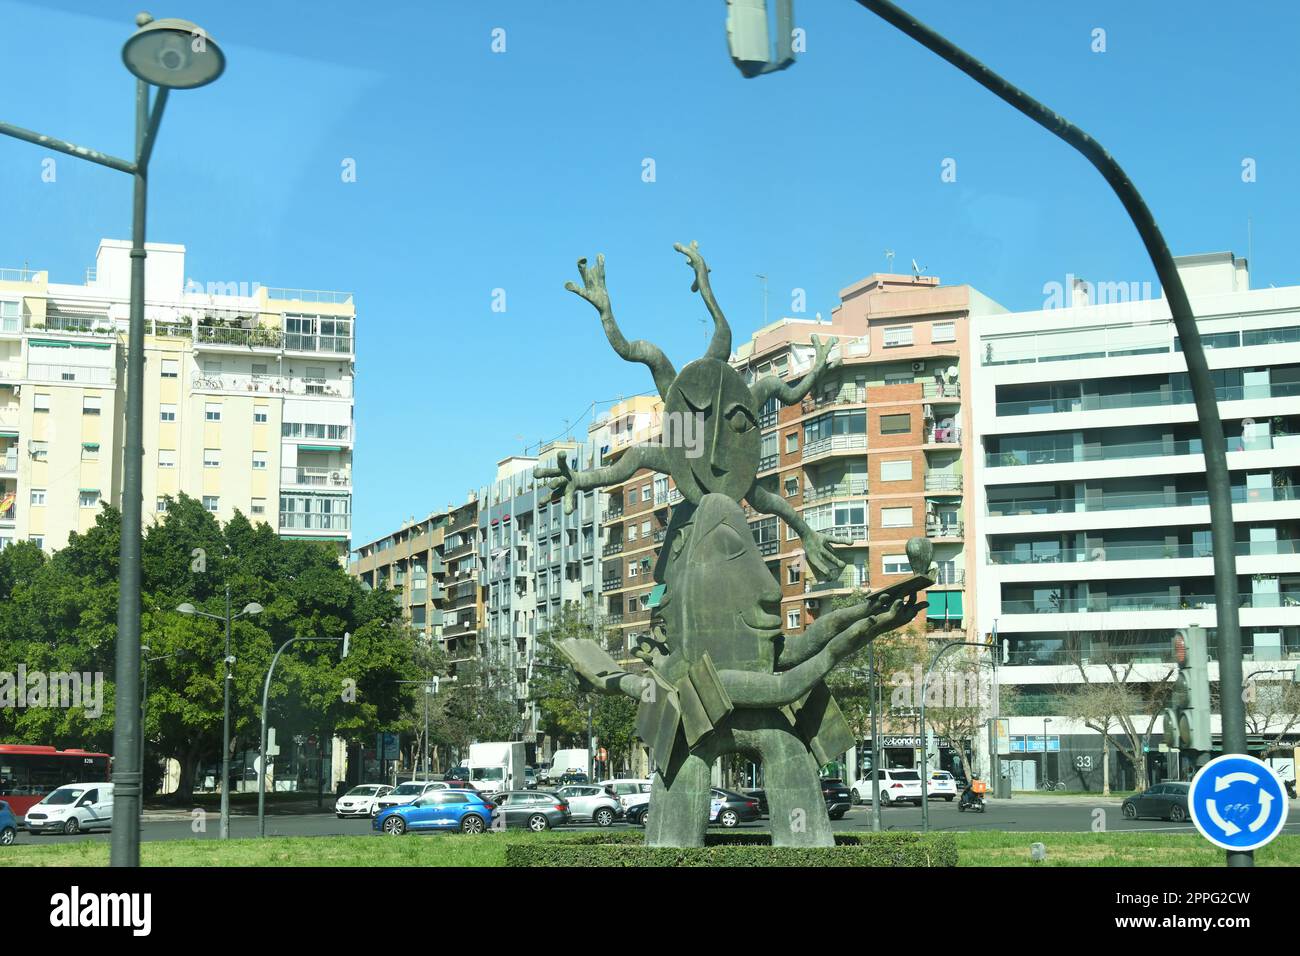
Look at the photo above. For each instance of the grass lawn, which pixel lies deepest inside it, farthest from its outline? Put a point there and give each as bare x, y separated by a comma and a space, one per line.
446, 849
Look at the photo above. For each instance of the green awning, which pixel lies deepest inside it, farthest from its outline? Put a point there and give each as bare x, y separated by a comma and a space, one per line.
318, 448
656, 595
50, 343
943, 605
7, 433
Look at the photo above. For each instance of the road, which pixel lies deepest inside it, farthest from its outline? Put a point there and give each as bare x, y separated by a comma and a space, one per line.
1021, 814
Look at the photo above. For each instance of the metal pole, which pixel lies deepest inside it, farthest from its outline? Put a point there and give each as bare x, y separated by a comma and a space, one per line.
1218, 481
1046, 721
873, 697
426, 733
124, 849
225, 731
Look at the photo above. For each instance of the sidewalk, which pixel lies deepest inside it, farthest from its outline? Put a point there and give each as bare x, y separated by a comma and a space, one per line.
239, 808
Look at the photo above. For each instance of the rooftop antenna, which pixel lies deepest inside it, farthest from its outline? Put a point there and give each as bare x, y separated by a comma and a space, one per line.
917, 270
889, 260
763, 278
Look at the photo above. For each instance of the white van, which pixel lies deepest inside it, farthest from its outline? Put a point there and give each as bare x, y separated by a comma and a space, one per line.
72, 808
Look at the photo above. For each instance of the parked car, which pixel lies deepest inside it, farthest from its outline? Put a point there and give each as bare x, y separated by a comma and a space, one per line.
896, 786
409, 792
8, 825
1167, 801
839, 798
572, 776
360, 801
457, 776
633, 795
72, 808
591, 802
535, 809
942, 785
447, 809
530, 778
730, 809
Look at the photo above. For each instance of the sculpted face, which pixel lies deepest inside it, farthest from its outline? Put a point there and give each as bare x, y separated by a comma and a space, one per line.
720, 596
724, 459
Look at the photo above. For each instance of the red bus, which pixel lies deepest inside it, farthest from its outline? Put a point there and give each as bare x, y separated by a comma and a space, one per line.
27, 774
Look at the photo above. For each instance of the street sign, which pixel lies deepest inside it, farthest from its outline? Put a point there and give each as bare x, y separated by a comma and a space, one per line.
1237, 802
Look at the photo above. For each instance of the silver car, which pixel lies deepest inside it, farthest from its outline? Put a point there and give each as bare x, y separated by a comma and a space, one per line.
588, 802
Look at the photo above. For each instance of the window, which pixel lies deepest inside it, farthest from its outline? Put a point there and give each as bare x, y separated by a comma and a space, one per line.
212, 411
645, 492
41, 402
259, 461
211, 368
88, 497
166, 458
167, 413
896, 470
631, 496
212, 502
170, 368
9, 314
897, 335
899, 378
895, 564
257, 506
943, 332
896, 517
161, 506
631, 532
792, 619
790, 533
38, 496
791, 443
793, 573
38, 540
40, 450
90, 451
259, 370
895, 424
259, 415
212, 458
90, 405
632, 569
792, 486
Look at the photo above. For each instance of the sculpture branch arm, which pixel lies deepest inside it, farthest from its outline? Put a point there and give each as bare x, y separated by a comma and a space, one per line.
647, 353
817, 547
791, 393
720, 345
799, 647
564, 479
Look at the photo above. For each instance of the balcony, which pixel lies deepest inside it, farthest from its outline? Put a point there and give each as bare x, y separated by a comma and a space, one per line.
1135, 552
1146, 499
841, 489
316, 477
950, 577
848, 395
308, 295
1088, 403
209, 337
1144, 602
674, 496
1155, 448
947, 392
271, 385
613, 620
611, 514
610, 583
768, 462
943, 529
297, 521
80, 374
660, 534
850, 579
614, 547
322, 344
938, 481
769, 547
943, 436
9, 464
455, 551
833, 445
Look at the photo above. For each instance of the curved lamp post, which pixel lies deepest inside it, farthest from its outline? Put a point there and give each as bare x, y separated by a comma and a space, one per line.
168, 55
925, 750
346, 640
229, 659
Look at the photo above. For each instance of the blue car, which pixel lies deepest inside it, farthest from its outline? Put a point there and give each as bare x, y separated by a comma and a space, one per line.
463, 810
8, 825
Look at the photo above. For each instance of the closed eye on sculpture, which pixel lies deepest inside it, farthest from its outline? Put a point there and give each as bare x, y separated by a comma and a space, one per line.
727, 541
702, 408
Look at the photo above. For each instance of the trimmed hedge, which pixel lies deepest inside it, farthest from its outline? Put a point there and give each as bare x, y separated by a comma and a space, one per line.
627, 848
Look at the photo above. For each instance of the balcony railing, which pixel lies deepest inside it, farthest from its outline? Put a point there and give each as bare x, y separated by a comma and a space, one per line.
308, 295
943, 529
1182, 396
768, 462
610, 583
841, 489
268, 384
1118, 340
851, 578
1144, 602
611, 514
942, 482
660, 534
674, 496
242, 338
948, 391
950, 577
835, 443
316, 477
1155, 448
1146, 499
614, 547
82, 374
769, 547
1136, 552
848, 395
943, 436
297, 521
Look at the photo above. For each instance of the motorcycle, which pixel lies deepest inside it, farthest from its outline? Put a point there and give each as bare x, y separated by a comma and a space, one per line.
971, 800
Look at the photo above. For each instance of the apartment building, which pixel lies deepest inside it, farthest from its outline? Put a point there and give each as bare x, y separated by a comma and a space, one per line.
248, 399
1093, 542
410, 561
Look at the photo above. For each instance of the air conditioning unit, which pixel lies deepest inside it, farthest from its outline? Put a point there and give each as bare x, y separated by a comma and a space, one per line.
918, 366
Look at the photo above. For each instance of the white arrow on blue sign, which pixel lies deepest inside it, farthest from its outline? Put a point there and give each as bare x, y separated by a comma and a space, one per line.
1237, 802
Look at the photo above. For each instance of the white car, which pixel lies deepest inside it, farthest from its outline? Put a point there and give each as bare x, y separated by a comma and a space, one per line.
943, 785
407, 792
630, 792
72, 808
896, 786
360, 801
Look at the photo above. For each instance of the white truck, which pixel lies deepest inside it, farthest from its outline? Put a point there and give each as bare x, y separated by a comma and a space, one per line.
564, 761
496, 766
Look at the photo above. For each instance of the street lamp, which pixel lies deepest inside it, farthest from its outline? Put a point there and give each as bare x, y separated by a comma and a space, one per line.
346, 641
925, 750
249, 609
168, 55
1046, 721
430, 688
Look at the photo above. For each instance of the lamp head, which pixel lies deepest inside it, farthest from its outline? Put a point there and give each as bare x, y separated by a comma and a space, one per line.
173, 54
186, 608
252, 607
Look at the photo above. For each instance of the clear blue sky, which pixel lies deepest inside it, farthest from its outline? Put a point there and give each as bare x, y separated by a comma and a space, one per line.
479, 171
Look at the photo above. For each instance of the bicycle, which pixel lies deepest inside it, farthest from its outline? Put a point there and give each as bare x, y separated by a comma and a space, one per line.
1045, 784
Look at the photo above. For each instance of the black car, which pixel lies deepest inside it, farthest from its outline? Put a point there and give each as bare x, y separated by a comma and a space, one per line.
726, 809
1167, 801
573, 776
838, 798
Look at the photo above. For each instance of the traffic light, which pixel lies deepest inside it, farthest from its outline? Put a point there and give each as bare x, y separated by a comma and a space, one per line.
760, 36
1187, 718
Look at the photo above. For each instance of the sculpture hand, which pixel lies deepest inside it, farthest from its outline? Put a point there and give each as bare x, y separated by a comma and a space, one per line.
859, 635
593, 284
823, 353
562, 480
821, 558
696, 262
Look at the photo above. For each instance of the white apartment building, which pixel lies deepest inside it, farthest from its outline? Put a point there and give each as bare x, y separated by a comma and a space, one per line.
248, 399
1094, 545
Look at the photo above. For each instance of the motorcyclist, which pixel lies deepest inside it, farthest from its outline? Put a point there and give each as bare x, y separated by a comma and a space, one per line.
973, 795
